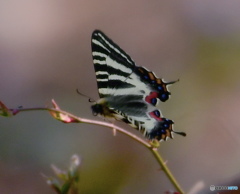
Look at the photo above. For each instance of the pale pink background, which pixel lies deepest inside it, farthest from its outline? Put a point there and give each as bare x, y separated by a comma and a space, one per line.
45, 53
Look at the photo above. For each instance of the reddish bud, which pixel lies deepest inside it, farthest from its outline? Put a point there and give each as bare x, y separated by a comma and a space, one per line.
4, 111
65, 118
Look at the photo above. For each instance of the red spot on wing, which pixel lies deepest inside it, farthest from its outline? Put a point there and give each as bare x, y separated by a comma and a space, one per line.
151, 96
153, 115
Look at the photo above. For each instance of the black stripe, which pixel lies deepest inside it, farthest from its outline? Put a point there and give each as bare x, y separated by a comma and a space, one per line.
136, 109
110, 70
99, 49
112, 43
113, 54
100, 58
136, 106
119, 59
102, 76
116, 84
100, 67
128, 98
128, 104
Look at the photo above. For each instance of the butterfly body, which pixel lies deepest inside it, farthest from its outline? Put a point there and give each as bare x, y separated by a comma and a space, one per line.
128, 92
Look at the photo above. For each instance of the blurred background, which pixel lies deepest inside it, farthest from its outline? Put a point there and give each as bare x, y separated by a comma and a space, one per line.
45, 53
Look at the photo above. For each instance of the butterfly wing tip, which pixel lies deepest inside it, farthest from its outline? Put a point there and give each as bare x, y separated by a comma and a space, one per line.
172, 82
180, 133
96, 32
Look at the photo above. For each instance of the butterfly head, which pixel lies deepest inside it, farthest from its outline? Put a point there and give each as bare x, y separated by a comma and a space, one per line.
101, 108
97, 109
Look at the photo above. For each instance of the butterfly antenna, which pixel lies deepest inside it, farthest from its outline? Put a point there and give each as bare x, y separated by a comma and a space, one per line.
89, 99
172, 82
180, 133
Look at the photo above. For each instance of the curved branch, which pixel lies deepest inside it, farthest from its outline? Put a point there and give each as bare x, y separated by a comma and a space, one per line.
67, 117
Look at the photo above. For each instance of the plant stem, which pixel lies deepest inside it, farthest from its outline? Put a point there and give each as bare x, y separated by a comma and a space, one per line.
146, 143
166, 169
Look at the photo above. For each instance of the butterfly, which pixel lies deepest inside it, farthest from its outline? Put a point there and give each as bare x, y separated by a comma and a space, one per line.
129, 92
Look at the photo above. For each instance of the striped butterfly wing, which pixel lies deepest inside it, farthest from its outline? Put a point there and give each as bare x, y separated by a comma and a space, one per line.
112, 65
128, 92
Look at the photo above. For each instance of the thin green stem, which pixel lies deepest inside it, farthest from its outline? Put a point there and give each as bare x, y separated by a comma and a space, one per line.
166, 170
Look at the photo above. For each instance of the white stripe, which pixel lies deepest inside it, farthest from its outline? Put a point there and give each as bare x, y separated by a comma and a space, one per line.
110, 62
114, 48
101, 73
102, 80
117, 77
148, 124
134, 80
114, 91
122, 78
95, 53
138, 88
117, 65
99, 44
99, 62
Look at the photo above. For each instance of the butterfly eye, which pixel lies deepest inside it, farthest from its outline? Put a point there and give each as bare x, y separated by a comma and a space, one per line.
153, 101
157, 113
97, 109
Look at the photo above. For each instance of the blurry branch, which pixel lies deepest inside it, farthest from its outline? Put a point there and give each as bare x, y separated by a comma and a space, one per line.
66, 117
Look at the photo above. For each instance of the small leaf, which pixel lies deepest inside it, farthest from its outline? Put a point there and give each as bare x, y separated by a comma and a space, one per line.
74, 166
60, 173
53, 183
69, 179
4, 111
66, 187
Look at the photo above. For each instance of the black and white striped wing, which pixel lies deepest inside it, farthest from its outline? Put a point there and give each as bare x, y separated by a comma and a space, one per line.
112, 65
145, 117
128, 92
